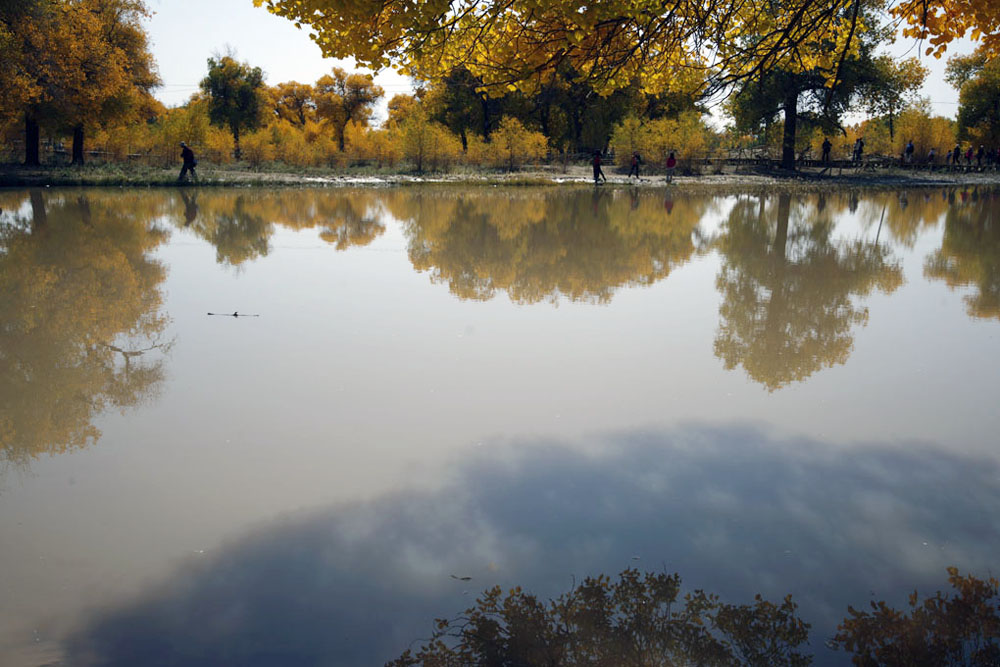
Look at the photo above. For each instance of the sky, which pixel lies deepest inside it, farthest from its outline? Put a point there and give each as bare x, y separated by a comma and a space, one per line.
185, 33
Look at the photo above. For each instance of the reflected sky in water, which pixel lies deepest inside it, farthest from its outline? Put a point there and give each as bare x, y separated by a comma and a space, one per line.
732, 508
768, 393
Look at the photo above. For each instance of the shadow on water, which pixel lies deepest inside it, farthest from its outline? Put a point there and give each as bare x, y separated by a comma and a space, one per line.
734, 510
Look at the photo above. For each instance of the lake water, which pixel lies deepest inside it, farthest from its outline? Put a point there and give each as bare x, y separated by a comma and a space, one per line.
766, 393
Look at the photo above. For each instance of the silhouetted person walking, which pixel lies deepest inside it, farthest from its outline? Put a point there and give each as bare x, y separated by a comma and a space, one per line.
598, 172
671, 165
634, 167
189, 163
826, 150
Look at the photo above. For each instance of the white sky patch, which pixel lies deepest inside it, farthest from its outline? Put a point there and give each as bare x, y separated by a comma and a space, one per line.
185, 33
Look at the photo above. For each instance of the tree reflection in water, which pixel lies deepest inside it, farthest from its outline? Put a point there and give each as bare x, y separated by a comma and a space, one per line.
240, 224
638, 622
80, 308
542, 245
789, 291
970, 253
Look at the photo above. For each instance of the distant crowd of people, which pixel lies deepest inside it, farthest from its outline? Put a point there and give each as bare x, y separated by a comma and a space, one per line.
984, 157
955, 158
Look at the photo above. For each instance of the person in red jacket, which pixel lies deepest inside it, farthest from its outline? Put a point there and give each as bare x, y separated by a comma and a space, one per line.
634, 167
598, 172
671, 165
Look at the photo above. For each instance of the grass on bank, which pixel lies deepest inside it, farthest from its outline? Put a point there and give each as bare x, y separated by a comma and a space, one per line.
111, 174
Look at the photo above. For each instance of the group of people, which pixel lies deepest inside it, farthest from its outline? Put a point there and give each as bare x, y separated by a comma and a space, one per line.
956, 157
857, 151
983, 157
633, 167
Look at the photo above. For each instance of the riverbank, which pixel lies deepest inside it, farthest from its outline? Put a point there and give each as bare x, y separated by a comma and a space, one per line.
121, 176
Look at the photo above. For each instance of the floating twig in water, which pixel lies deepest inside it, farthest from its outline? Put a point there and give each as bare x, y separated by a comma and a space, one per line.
234, 314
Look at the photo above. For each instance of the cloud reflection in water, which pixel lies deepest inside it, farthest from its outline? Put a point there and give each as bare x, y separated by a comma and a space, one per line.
732, 509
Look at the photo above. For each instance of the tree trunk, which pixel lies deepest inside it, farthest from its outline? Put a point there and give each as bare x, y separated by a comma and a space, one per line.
465, 140
77, 145
236, 143
340, 136
544, 115
31, 141
788, 138
577, 128
485, 103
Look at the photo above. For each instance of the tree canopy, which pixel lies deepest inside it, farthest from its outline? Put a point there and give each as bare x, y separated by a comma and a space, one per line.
73, 64
977, 79
342, 97
940, 22
235, 94
521, 44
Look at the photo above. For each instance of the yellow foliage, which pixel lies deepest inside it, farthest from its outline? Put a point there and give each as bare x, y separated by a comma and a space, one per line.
926, 131
477, 151
426, 143
290, 145
513, 144
687, 136
371, 146
940, 22
121, 141
520, 44
913, 123
256, 148
631, 136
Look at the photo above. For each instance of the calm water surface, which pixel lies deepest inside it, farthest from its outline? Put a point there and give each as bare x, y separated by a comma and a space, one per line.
775, 394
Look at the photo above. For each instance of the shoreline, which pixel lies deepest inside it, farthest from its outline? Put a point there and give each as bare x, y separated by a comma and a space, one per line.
806, 179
